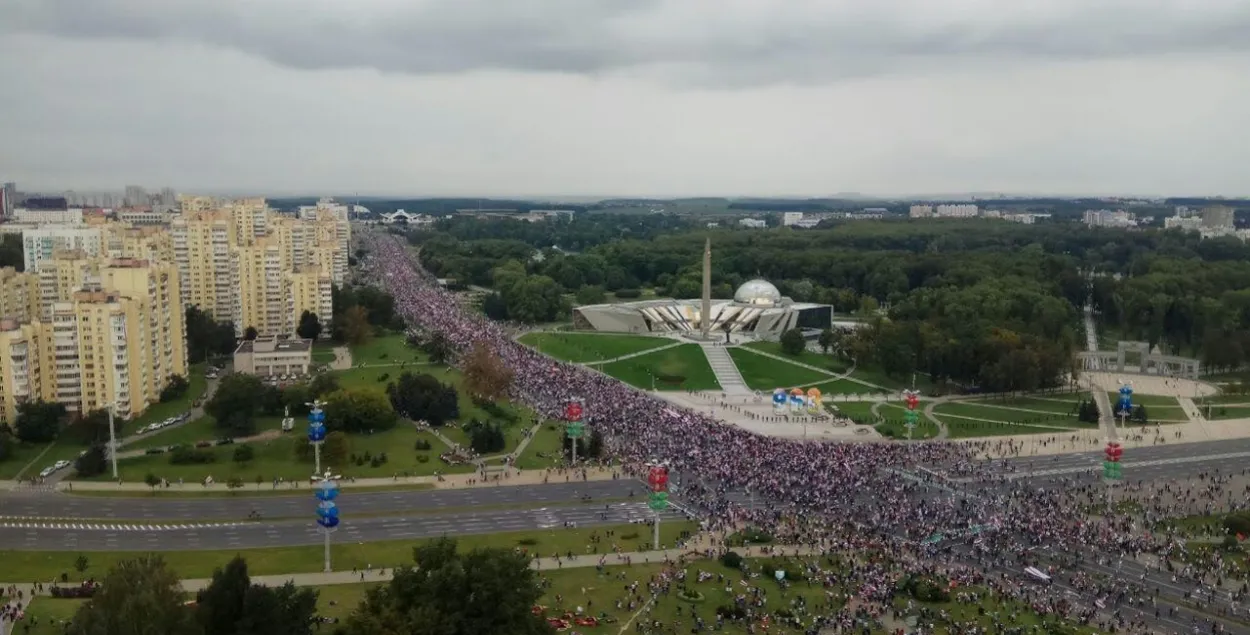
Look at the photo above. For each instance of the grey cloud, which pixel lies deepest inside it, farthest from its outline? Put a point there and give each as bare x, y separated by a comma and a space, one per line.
736, 42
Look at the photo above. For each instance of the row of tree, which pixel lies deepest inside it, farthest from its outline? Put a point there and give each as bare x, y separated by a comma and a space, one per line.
445, 591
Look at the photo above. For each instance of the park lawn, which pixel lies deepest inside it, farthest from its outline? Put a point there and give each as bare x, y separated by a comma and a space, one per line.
827, 362
46, 565
893, 422
323, 352
1240, 400
546, 442
202, 429
387, 349
1149, 401
23, 454
766, 373
1008, 415
583, 348
1165, 413
844, 387
275, 458
197, 384
961, 428
854, 410
51, 614
1223, 412
685, 366
1057, 406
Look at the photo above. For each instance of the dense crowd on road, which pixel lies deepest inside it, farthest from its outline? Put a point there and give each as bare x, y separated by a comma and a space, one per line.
838, 496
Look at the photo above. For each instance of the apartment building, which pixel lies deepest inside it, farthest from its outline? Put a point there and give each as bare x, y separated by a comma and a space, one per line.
22, 364
255, 268
154, 286
41, 243
19, 295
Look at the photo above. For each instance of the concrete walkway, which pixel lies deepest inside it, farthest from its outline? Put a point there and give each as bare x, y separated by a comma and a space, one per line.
638, 354
507, 478
727, 375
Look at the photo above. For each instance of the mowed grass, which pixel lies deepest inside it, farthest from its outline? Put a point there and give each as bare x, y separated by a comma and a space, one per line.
544, 449
1218, 413
827, 362
276, 458
48, 616
197, 384
680, 368
201, 429
845, 387
1007, 415
387, 349
23, 453
583, 348
46, 565
1145, 400
968, 429
1024, 405
767, 373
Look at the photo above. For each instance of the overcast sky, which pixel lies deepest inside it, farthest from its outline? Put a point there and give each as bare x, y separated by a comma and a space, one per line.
627, 97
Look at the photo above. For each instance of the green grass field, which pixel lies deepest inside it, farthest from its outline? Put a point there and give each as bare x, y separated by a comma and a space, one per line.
392, 348
827, 362
323, 352
845, 387
1008, 415
1060, 404
584, 348
969, 429
766, 373
1218, 413
546, 442
1240, 400
202, 429
686, 362
45, 565
276, 459
1145, 400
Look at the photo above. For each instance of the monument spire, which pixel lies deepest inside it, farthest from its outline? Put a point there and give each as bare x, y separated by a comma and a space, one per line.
705, 316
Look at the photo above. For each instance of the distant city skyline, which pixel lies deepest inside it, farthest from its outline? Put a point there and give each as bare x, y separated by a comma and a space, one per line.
599, 98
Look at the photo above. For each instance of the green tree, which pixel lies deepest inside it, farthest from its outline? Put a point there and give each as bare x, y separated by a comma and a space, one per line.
438, 347
485, 438
244, 453
151, 480
423, 398
239, 399
11, 252
39, 421
309, 326
359, 411
137, 597
792, 342
452, 593
81, 563
207, 338
828, 340
175, 388
250, 333
93, 463
591, 294
92, 427
337, 449
7, 442
356, 328
232, 605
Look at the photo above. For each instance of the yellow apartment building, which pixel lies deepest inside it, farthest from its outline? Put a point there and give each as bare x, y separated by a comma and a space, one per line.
202, 245
155, 287
19, 295
22, 364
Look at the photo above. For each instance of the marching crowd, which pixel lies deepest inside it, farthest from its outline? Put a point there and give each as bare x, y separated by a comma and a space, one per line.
837, 496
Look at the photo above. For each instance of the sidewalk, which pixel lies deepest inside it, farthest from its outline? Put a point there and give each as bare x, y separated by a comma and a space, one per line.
512, 477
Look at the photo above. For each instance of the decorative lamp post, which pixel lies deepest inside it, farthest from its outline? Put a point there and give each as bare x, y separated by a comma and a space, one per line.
574, 429
316, 432
657, 479
912, 399
1124, 407
326, 490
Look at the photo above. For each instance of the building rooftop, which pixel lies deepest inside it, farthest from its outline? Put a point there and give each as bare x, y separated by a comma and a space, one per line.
274, 343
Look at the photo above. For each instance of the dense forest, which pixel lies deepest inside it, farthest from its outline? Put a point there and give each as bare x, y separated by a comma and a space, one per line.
972, 302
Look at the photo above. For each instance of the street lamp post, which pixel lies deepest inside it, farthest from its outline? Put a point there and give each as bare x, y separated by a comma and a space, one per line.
657, 478
326, 490
574, 429
113, 440
316, 432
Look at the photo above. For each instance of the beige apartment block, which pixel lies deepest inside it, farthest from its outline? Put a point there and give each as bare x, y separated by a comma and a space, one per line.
155, 287
23, 363
19, 295
273, 355
202, 245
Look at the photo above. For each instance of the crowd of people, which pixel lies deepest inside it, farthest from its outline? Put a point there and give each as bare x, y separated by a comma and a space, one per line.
833, 495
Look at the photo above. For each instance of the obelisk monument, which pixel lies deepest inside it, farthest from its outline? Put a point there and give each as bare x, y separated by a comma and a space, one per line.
705, 316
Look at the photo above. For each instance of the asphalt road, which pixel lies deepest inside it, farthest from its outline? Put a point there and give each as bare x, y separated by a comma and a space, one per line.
88, 537
14, 506
1162, 462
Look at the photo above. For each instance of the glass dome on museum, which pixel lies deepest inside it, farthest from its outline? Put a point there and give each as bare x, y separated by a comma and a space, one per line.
757, 292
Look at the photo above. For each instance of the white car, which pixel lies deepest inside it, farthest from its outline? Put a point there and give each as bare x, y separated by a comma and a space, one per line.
60, 465
47, 471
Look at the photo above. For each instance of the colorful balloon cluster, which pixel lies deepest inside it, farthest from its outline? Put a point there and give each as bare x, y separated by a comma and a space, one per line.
574, 428
327, 512
316, 424
796, 401
657, 479
1111, 465
1124, 407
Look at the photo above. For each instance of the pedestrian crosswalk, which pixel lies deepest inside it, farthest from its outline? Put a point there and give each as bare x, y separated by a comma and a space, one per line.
80, 525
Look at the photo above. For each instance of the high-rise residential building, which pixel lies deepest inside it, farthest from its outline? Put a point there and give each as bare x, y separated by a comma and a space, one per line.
245, 264
920, 211
962, 210
136, 195
42, 242
790, 218
25, 366
9, 194
202, 242
90, 332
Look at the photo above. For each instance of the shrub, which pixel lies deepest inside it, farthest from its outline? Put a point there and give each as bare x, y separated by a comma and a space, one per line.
527, 542
731, 559
1238, 523
244, 453
731, 612
383, 377
422, 445
423, 458
191, 456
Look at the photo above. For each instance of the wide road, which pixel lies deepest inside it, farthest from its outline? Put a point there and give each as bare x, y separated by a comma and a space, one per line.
1160, 462
107, 536
300, 504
